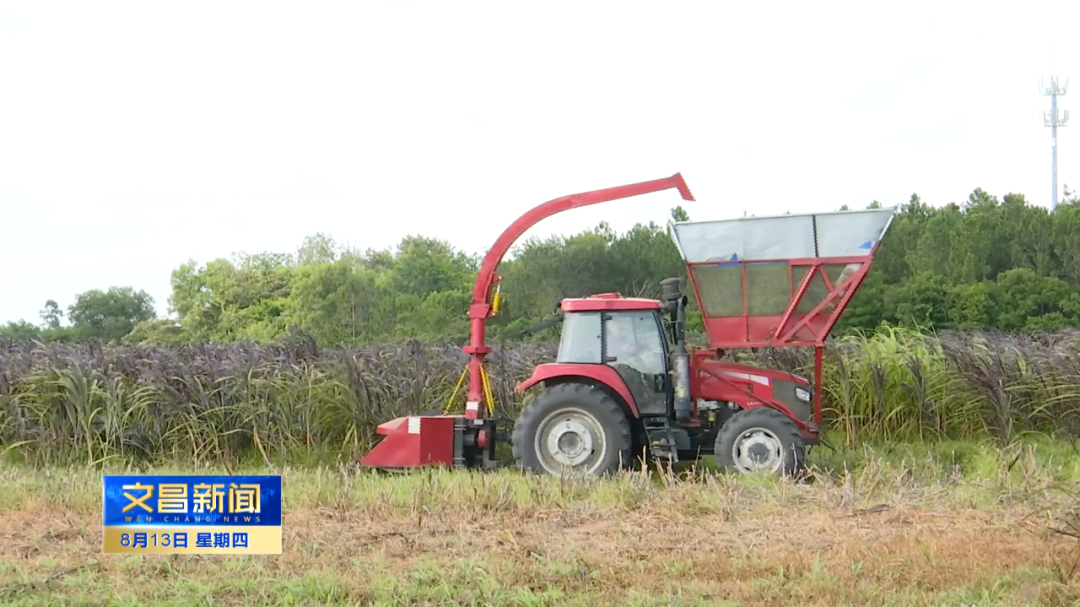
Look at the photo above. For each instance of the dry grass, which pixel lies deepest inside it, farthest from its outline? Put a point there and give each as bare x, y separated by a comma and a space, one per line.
891, 532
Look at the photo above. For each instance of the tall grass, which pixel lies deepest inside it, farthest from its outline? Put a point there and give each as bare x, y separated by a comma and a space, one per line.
904, 385
293, 402
211, 403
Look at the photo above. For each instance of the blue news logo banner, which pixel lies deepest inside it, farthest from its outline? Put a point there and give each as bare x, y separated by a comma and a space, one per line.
192, 514
182, 500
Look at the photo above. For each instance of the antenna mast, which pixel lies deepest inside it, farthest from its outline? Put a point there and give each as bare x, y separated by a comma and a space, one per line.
1053, 121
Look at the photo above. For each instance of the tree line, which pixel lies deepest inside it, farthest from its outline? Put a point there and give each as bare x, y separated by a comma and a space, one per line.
982, 264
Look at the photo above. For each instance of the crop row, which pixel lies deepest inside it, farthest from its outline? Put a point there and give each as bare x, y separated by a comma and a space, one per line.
295, 402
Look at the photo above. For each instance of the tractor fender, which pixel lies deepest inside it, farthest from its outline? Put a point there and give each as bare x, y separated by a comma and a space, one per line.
584, 373
778, 407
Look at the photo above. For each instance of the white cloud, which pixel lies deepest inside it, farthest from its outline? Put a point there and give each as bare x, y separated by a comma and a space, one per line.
136, 135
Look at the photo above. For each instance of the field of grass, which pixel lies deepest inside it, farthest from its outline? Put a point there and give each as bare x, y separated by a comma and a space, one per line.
295, 403
968, 496
949, 524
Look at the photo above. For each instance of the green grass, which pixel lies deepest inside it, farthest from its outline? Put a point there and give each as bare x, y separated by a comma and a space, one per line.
942, 524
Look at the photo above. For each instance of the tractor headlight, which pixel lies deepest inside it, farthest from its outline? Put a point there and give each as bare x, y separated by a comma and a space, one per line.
802, 394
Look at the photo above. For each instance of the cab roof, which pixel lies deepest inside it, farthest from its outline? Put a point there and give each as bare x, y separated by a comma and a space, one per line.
607, 301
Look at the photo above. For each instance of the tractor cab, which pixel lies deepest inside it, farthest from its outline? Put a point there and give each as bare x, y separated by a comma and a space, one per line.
626, 334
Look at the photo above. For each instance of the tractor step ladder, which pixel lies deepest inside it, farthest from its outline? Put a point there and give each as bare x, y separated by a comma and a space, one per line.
662, 445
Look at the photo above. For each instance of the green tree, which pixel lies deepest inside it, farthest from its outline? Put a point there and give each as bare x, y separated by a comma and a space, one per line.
337, 303
156, 332
317, 248
109, 315
980, 263
51, 315
20, 330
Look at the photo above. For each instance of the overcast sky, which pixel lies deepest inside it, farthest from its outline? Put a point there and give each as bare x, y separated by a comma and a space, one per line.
134, 136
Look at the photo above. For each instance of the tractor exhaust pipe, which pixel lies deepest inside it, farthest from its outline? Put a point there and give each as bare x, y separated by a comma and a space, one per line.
680, 358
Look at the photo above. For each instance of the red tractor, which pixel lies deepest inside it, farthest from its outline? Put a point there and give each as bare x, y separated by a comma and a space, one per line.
625, 385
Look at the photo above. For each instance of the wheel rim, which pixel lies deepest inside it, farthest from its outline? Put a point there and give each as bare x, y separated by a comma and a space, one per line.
757, 449
570, 441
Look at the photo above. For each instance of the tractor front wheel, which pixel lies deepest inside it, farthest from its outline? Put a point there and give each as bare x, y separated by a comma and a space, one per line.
572, 429
760, 439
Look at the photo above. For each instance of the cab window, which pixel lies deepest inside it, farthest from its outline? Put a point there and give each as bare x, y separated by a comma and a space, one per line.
634, 340
580, 341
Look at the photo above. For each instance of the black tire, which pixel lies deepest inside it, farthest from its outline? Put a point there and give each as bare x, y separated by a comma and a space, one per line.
585, 408
775, 428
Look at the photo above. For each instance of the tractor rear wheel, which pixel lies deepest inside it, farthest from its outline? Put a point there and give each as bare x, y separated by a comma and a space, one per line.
760, 439
572, 429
